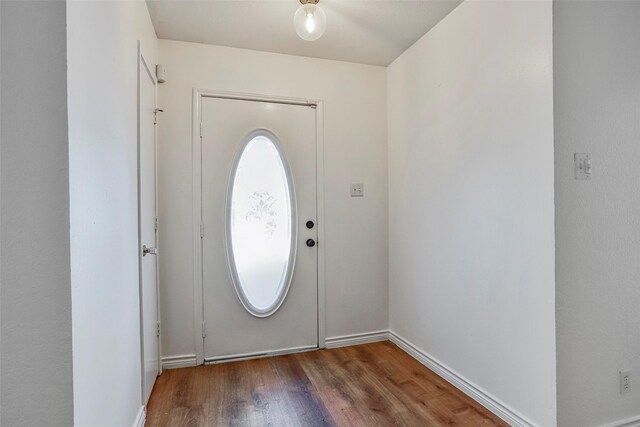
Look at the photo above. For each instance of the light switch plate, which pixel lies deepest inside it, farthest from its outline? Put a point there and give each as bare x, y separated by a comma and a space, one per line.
582, 165
357, 190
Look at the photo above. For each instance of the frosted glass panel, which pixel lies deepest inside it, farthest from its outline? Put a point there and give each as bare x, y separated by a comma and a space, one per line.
261, 226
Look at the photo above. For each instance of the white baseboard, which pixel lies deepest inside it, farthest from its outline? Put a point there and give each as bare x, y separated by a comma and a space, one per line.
141, 417
628, 422
476, 393
355, 339
184, 361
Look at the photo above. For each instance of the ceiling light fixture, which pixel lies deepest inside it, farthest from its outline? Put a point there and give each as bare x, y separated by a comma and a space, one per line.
310, 20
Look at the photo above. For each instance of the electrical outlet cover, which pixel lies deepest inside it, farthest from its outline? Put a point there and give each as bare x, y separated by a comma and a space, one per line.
625, 381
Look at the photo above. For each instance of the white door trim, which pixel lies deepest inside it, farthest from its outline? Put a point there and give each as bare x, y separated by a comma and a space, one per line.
198, 290
259, 355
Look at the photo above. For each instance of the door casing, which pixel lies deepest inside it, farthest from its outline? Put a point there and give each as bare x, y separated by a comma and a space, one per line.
198, 290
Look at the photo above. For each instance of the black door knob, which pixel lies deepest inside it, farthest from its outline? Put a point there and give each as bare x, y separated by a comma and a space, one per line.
310, 224
311, 243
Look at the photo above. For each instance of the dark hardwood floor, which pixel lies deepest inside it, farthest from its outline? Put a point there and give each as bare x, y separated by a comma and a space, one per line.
366, 385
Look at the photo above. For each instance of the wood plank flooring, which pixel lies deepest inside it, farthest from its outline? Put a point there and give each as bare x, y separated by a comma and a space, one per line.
374, 384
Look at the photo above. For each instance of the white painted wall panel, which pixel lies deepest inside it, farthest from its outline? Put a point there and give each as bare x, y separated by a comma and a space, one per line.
102, 79
597, 110
355, 151
471, 214
36, 386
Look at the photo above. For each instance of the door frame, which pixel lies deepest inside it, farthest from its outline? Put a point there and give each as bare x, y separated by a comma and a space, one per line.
144, 65
198, 289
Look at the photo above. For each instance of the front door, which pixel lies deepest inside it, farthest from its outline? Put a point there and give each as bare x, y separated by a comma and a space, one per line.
259, 231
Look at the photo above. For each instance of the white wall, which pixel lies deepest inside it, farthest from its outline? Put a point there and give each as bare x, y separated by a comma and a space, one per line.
471, 214
597, 110
102, 79
355, 151
36, 363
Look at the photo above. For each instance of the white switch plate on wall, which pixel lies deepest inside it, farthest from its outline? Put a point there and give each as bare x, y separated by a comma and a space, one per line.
582, 165
357, 190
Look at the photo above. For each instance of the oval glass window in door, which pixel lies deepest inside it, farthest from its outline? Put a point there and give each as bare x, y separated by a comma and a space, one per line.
261, 224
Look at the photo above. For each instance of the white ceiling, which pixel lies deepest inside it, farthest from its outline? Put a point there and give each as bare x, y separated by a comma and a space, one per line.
365, 31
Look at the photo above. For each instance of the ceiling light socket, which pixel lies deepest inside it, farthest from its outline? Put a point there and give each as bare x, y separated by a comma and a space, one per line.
309, 1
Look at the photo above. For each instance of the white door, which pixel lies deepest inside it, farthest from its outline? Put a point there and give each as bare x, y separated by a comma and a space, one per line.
259, 253
147, 227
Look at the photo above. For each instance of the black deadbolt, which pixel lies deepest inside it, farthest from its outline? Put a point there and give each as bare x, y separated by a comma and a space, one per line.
310, 224
311, 243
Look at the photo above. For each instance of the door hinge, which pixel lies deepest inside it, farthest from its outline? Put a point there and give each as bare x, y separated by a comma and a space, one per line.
200, 130
204, 330
202, 231
156, 224
155, 115
158, 329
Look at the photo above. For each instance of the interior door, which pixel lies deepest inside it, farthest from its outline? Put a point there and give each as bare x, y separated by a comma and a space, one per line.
147, 228
259, 231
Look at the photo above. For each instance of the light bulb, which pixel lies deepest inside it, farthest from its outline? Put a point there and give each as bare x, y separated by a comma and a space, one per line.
310, 22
